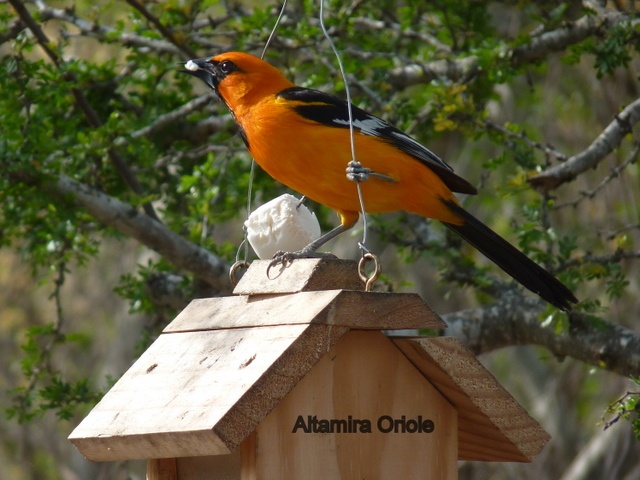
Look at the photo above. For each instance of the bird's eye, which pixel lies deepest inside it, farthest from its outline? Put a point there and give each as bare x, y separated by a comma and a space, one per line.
227, 67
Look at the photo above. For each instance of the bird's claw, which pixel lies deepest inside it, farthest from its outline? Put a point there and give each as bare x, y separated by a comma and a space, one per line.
300, 203
285, 259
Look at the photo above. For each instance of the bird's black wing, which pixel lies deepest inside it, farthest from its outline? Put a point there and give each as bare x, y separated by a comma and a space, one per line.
331, 111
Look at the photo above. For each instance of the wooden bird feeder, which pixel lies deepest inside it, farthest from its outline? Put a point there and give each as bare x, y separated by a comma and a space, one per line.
292, 377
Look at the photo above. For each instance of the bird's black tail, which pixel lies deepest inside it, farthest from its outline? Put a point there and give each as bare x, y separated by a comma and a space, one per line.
512, 260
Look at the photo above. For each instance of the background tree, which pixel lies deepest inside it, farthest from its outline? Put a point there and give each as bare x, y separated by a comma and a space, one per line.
119, 174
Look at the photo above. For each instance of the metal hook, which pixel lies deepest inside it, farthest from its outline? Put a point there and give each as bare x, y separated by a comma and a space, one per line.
369, 280
233, 271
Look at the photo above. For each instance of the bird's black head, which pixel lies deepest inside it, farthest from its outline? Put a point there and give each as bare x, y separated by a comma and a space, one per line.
210, 70
240, 80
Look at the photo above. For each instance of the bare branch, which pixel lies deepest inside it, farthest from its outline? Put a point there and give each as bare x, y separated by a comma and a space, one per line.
197, 133
462, 69
608, 259
169, 118
538, 48
607, 142
95, 30
524, 138
13, 31
615, 173
385, 26
35, 29
568, 34
627, 228
166, 33
595, 459
126, 219
516, 321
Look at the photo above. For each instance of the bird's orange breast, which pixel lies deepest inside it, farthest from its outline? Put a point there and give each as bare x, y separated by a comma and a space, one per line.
311, 158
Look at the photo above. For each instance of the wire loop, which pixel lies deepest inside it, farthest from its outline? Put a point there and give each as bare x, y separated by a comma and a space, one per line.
369, 280
235, 268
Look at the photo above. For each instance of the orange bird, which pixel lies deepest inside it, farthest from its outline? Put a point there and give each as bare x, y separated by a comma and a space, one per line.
301, 138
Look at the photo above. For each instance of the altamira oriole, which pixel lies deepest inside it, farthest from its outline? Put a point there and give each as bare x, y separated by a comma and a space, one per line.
301, 138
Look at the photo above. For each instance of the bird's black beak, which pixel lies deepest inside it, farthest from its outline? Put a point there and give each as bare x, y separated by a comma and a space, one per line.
204, 69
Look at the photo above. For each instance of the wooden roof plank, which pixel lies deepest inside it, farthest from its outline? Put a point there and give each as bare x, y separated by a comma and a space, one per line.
184, 383
245, 311
355, 309
487, 413
303, 275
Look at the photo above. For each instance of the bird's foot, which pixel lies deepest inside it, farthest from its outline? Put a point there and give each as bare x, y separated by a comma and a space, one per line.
285, 259
300, 203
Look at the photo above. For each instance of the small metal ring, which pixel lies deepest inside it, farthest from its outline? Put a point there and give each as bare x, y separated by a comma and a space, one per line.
369, 280
233, 271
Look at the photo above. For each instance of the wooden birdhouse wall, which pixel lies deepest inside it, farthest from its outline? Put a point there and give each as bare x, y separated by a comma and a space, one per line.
362, 412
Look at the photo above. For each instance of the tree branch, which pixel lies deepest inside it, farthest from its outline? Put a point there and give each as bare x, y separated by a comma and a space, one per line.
383, 26
13, 31
615, 173
515, 321
570, 33
608, 259
538, 48
522, 137
418, 73
171, 118
95, 30
607, 142
594, 459
123, 217
166, 33
81, 100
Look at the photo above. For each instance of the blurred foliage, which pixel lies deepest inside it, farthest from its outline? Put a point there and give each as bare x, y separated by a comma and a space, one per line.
96, 90
626, 408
